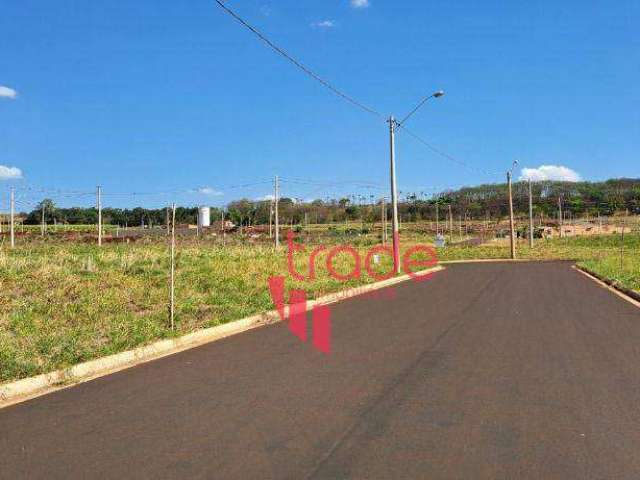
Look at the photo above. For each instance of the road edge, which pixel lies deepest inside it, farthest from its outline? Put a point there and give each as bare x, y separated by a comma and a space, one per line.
502, 260
627, 294
19, 391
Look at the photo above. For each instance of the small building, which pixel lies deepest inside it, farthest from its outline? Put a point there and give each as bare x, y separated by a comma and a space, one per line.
229, 226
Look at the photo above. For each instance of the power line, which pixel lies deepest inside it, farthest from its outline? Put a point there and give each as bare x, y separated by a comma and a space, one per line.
302, 67
361, 184
59, 193
445, 155
346, 97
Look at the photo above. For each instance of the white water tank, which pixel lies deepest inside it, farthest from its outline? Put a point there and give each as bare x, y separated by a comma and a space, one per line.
204, 217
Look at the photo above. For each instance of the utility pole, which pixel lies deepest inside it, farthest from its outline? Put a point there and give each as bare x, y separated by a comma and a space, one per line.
450, 225
467, 218
394, 196
530, 216
172, 289
99, 216
42, 223
224, 230
622, 247
486, 220
394, 190
599, 222
384, 221
560, 219
12, 217
511, 222
276, 195
437, 220
271, 219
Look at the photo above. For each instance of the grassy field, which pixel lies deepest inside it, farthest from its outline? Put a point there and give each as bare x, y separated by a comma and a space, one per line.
65, 302
61, 304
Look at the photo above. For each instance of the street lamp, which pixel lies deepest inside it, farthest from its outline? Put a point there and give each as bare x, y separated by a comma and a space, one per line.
437, 94
393, 125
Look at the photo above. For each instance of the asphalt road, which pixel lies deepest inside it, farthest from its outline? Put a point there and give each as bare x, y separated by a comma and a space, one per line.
496, 371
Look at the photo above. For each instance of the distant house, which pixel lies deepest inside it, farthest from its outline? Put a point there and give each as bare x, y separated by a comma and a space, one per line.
218, 226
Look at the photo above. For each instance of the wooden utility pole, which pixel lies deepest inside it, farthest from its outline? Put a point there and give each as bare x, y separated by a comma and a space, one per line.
530, 216
12, 215
511, 221
560, 219
99, 216
276, 194
172, 290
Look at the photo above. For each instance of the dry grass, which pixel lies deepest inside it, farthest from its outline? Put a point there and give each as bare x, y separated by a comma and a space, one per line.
61, 304
64, 303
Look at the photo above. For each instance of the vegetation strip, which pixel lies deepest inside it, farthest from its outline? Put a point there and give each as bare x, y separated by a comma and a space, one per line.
22, 390
634, 294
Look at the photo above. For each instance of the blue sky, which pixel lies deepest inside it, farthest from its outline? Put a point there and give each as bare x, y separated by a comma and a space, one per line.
159, 96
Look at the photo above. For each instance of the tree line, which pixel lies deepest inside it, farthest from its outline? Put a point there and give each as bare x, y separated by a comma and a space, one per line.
479, 202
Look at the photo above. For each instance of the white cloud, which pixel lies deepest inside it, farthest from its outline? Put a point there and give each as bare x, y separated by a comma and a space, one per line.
550, 172
10, 173
6, 92
266, 198
265, 10
209, 191
359, 3
324, 24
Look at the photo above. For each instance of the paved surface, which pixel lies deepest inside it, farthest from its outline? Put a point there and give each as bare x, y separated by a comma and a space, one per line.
486, 371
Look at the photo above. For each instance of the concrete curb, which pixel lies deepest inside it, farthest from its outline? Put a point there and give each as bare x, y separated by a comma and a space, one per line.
27, 388
630, 295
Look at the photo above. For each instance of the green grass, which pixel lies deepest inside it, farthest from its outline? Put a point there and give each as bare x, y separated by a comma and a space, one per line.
62, 303
600, 254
